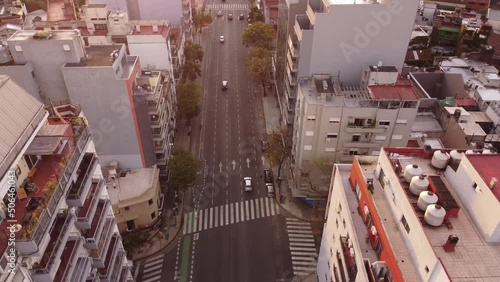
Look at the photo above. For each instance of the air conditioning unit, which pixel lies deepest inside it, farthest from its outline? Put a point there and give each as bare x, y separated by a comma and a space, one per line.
328, 140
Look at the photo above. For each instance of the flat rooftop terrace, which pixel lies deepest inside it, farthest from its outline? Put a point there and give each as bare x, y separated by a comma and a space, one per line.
132, 185
97, 56
402, 90
24, 35
483, 165
473, 258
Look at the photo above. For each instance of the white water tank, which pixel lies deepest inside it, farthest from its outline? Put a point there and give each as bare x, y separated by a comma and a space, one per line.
488, 151
425, 199
440, 159
410, 171
470, 152
456, 156
434, 215
418, 184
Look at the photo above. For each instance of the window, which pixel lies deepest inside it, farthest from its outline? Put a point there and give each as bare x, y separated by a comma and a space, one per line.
401, 121
330, 150
150, 202
384, 122
130, 225
66, 47
405, 224
397, 137
334, 120
308, 147
311, 118
474, 185
353, 152
309, 133
18, 48
380, 137
343, 222
337, 223
359, 121
356, 138
153, 215
331, 135
127, 208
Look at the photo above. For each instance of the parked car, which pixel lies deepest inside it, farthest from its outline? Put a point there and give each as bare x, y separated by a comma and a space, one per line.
219, 14
242, 17
270, 190
268, 176
248, 184
230, 17
221, 39
224, 85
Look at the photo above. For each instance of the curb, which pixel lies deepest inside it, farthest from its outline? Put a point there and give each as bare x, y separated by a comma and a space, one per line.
296, 216
169, 241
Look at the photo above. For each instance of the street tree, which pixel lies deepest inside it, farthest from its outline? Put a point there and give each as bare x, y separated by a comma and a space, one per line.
278, 148
258, 34
183, 167
256, 15
259, 64
191, 70
193, 52
201, 20
188, 97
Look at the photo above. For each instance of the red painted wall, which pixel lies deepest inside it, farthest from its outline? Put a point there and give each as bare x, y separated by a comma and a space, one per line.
387, 255
130, 82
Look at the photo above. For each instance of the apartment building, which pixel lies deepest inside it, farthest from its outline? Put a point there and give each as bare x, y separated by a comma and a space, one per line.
336, 123
131, 110
412, 215
178, 12
136, 197
56, 213
327, 39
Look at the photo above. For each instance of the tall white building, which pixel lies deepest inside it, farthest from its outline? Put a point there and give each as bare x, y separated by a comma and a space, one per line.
56, 218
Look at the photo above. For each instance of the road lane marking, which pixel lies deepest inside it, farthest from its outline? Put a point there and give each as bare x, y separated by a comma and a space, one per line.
216, 215
200, 220
262, 207
227, 214
267, 207
273, 212
237, 215
221, 215
185, 258
206, 220
257, 210
251, 211
246, 211
211, 217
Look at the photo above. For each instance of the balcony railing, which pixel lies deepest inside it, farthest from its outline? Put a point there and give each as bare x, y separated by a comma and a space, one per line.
78, 190
37, 222
99, 219
366, 129
100, 247
68, 260
58, 238
111, 255
301, 23
350, 262
362, 144
87, 212
117, 265
81, 270
124, 275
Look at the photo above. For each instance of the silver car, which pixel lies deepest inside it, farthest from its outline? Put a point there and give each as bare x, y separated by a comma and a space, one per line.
248, 184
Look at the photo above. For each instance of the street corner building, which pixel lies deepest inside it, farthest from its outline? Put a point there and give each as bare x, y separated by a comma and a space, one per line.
56, 219
413, 214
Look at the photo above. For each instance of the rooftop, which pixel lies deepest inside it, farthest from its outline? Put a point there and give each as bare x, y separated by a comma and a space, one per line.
384, 68
24, 35
402, 90
98, 56
489, 94
358, 2
148, 30
426, 123
473, 258
483, 165
132, 185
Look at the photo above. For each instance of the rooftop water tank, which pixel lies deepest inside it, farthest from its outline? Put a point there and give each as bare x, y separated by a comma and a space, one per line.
410, 171
440, 159
4, 55
425, 199
434, 215
470, 152
456, 156
418, 184
489, 151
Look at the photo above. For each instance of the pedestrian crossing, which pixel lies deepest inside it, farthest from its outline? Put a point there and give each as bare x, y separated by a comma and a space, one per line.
152, 269
225, 7
228, 214
302, 247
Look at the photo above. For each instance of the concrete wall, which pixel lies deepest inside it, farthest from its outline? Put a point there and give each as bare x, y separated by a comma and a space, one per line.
483, 206
47, 68
107, 106
23, 75
420, 250
378, 32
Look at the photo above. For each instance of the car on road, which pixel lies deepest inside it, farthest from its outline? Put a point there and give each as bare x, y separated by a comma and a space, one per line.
263, 145
268, 176
248, 184
270, 190
221, 39
230, 17
242, 17
219, 14
224, 85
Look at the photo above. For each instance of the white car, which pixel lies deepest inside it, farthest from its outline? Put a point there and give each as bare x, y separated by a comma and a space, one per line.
248, 184
221, 39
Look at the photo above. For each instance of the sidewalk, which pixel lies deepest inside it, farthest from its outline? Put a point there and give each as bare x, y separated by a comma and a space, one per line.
294, 206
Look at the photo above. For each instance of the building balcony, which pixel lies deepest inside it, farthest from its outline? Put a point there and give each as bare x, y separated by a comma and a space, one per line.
82, 269
158, 133
36, 204
69, 259
292, 63
113, 256
361, 144
160, 147
96, 227
301, 23
365, 129
124, 275
80, 188
292, 77
149, 83
46, 269
87, 212
100, 247
350, 262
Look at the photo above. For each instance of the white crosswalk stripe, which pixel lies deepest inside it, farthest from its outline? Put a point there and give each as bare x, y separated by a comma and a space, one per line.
302, 247
153, 268
227, 214
225, 7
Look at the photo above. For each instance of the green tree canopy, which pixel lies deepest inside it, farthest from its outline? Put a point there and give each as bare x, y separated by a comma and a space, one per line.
183, 167
256, 15
193, 52
258, 34
201, 20
278, 148
191, 70
258, 64
188, 97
